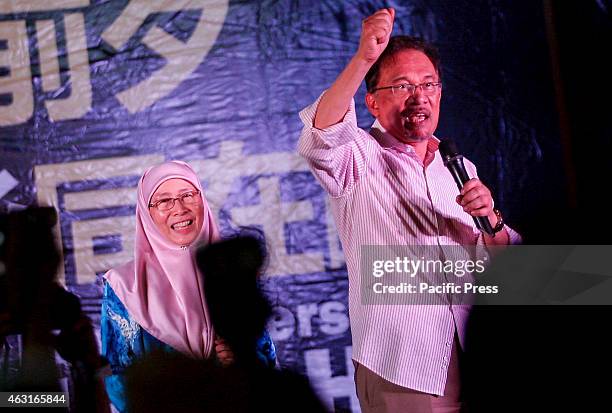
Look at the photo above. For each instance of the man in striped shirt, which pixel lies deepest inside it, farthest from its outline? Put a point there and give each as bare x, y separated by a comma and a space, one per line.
390, 187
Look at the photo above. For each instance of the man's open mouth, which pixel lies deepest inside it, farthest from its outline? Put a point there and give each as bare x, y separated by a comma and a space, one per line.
416, 117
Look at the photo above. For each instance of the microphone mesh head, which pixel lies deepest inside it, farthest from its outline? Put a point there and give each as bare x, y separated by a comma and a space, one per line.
448, 149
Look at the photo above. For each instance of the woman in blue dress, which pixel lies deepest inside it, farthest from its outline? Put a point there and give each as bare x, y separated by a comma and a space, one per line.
156, 302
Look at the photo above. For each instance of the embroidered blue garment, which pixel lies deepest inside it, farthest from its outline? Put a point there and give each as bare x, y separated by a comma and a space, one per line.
124, 341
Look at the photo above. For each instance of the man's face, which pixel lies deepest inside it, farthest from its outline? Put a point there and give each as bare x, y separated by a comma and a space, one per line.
412, 118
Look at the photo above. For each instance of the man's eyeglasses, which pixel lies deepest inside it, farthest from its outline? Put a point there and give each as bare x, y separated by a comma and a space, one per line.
166, 204
407, 89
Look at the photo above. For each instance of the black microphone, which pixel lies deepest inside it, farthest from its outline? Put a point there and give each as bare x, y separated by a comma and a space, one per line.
454, 162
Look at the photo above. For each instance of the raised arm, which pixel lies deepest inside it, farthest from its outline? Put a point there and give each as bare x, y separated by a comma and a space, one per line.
375, 33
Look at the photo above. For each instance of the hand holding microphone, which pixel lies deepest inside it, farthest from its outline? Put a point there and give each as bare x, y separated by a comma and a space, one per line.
474, 197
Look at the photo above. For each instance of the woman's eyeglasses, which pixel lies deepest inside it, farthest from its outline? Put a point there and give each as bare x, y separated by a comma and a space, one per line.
166, 204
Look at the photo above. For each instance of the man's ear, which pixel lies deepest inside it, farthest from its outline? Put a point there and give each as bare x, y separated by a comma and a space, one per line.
371, 103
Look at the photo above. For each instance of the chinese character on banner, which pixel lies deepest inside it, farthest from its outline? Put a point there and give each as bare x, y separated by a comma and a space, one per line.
15, 57
60, 41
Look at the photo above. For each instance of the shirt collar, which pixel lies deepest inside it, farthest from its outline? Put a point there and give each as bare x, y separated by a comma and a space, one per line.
386, 140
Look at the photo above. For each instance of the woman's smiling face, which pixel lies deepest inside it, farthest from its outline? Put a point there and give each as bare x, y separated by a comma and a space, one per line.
182, 223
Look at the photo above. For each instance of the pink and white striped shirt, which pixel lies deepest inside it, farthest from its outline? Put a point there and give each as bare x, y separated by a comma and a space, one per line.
381, 193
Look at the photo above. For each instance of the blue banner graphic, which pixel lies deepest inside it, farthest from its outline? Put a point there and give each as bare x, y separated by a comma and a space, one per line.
94, 92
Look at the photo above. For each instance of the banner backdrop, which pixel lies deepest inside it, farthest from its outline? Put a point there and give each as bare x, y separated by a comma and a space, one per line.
93, 92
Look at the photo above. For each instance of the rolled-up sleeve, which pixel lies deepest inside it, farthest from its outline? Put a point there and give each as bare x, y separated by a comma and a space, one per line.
337, 155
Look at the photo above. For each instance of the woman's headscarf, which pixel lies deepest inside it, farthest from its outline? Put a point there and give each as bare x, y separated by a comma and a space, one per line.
162, 287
